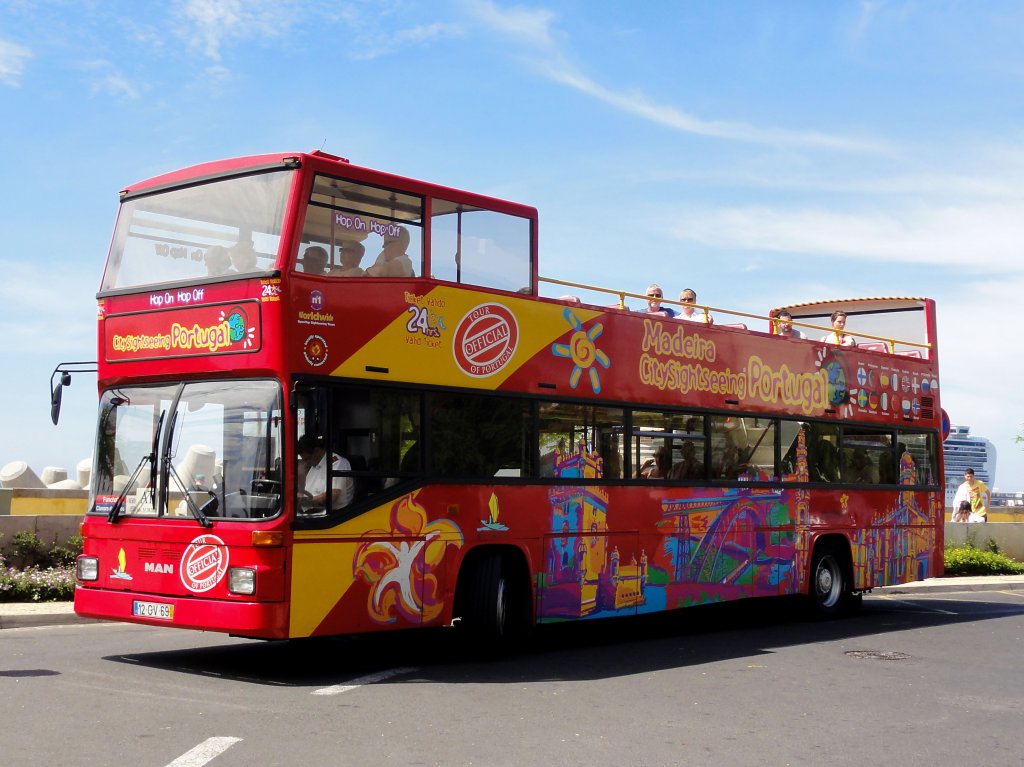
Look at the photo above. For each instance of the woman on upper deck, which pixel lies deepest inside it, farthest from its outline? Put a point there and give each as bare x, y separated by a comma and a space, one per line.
838, 335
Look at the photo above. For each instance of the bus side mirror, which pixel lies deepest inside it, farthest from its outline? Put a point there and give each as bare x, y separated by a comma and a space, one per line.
57, 385
56, 392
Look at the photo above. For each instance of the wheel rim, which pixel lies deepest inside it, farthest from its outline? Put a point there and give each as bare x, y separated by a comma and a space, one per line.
828, 582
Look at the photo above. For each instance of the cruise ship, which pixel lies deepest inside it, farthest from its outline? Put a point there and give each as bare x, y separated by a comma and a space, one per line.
962, 451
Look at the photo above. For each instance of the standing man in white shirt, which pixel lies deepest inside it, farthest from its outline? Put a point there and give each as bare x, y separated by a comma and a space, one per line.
975, 492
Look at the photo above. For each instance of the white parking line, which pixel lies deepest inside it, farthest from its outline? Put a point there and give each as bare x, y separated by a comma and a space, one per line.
888, 598
205, 752
363, 680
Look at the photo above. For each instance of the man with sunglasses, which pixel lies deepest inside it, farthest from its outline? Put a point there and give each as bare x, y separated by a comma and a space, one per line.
654, 296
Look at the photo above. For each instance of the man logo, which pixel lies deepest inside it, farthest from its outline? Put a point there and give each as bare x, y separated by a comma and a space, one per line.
156, 567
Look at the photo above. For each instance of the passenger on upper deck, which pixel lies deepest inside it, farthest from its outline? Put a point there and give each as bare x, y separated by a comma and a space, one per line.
690, 312
217, 261
314, 260
654, 296
243, 257
351, 254
784, 325
838, 336
392, 260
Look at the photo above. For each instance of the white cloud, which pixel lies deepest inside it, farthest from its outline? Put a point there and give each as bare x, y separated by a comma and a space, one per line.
12, 62
45, 309
989, 236
869, 10
523, 25
208, 24
534, 30
671, 117
116, 84
982, 365
106, 78
375, 45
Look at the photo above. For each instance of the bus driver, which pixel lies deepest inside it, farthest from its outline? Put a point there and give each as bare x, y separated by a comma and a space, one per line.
314, 455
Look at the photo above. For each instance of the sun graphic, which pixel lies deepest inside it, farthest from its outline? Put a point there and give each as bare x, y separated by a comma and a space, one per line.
582, 351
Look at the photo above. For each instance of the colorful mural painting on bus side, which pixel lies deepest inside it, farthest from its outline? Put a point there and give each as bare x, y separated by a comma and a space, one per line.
715, 545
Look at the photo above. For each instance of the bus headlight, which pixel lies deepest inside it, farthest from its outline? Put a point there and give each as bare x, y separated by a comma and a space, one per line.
87, 568
242, 580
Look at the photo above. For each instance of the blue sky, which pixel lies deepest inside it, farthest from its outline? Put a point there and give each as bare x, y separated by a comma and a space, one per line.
760, 152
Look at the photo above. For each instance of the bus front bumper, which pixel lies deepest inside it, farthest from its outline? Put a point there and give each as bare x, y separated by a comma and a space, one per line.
262, 620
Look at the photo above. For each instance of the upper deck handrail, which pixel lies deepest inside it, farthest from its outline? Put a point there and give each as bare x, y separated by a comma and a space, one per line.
621, 295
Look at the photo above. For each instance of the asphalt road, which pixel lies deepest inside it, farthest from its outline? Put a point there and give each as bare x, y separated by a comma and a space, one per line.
920, 678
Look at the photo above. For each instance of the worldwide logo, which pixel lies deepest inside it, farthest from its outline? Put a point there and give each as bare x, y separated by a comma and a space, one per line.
316, 300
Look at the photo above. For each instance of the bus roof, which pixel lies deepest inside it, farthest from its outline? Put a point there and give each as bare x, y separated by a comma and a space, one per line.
856, 305
321, 161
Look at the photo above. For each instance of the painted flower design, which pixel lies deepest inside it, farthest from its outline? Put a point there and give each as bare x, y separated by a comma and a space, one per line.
583, 352
404, 572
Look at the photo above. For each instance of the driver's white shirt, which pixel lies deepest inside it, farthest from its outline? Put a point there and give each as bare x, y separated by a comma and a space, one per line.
316, 479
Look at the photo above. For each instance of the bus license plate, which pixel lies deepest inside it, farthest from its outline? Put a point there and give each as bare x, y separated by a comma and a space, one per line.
153, 610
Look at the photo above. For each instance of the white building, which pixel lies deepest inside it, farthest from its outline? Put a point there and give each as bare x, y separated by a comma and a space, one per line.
963, 451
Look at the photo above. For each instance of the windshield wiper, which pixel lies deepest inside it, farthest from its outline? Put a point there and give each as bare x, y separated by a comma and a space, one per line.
169, 471
115, 511
195, 510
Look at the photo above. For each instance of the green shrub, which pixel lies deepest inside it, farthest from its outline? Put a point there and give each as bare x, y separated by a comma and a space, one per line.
27, 547
64, 556
970, 560
54, 584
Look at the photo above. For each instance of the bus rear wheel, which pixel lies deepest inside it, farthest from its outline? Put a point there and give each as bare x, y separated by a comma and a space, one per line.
830, 592
493, 604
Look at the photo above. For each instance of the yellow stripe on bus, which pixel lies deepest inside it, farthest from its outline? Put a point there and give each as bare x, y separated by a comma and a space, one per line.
411, 356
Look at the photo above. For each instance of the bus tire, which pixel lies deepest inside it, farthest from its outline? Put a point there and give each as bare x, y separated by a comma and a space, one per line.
829, 589
493, 614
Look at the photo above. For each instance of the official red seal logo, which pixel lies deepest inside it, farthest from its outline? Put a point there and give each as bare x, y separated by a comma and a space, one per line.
204, 563
485, 340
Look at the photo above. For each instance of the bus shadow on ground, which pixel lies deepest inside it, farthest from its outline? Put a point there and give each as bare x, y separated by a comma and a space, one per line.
578, 651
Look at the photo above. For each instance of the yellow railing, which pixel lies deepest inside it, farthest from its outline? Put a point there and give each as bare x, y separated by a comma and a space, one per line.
622, 295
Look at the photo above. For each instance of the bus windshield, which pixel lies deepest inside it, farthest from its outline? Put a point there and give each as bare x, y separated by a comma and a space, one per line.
168, 450
220, 228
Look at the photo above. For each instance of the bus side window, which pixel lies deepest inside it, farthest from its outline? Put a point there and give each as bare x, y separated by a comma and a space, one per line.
823, 453
572, 438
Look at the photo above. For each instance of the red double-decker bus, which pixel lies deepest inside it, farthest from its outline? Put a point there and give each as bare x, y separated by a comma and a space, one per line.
332, 400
